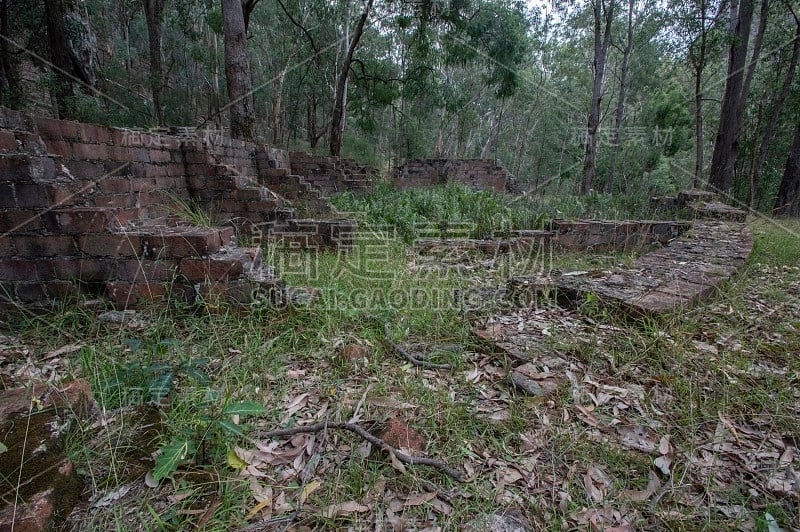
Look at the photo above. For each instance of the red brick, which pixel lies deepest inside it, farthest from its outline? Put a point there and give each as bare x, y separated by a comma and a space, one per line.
44, 246
16, 269
62, 148
184, 243
30, 292
7, 196
145, 270
70, 194
118, 201
8, 141
61, 290
6, 247
118, 245
14, 167
31, 196
143, 184
120, 153
81, 150
141, 155
122, 137
211, 269
19, 221
68, 269
94, 134
199, 169
127, 295
160, 156
52, 128
176, 169
114, 185
84, 220
80, 169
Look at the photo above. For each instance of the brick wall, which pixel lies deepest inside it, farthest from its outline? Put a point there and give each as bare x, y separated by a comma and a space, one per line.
613, 235
88, 208
332, 174
481, 174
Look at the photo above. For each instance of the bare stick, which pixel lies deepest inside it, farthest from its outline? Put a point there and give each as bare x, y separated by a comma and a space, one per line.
408, 356
374, 440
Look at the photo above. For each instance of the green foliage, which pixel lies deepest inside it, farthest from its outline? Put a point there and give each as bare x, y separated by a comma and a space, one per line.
151, 375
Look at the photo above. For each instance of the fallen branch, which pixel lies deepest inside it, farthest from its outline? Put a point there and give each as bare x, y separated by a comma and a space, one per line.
408, 356
374, 440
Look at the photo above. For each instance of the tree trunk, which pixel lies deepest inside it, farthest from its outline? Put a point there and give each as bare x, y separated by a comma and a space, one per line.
726, 146
153, 14
774, 117
275, 111
58, 43
602, 39
788, 200
338, 116
10, 93
623, 89
699, 155
237, 71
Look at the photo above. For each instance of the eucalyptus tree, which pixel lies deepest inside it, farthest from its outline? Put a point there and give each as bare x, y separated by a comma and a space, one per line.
237, 70
737, 85
154, 15
787, 202
603, 19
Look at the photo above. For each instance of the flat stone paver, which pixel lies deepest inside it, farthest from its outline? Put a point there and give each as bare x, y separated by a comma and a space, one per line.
675, 276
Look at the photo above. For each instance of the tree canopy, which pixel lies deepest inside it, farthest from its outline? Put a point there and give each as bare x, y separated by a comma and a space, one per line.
608, 95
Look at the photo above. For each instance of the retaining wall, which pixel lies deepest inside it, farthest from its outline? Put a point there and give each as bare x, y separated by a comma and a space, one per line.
87, 207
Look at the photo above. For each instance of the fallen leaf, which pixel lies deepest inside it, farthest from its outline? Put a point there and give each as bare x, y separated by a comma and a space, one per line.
69, 348
663, 463
638, 437
653, 484
257, 509
345, 508
235, 461
310, 488
396, 464
418, 499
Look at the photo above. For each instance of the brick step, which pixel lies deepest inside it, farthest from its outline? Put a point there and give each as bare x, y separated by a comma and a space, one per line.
171, 242
308, 233
256, 286
227, 264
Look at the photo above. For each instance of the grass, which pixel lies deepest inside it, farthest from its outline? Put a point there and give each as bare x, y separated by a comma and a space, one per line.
673, 383
455, 210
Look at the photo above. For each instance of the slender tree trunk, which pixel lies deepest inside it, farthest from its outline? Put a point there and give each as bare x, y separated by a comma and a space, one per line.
154, 16
699, 149
774, 117
726, 146
338, 114
494, 132
602, 40
58, 42
623, 90
275, 111
237, 71
10, 93
788, 200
